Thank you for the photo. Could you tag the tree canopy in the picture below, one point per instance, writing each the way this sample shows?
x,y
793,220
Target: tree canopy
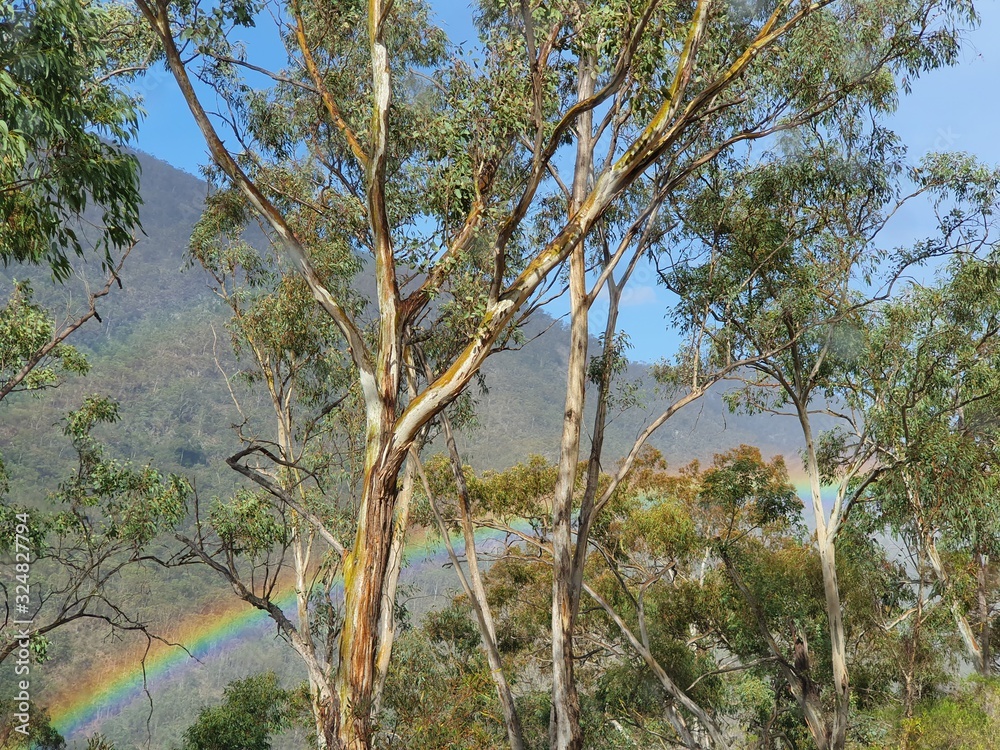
x,y
65,183
413,204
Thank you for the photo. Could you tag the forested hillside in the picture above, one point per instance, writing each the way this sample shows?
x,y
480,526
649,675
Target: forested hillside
x,y
296,456
161,349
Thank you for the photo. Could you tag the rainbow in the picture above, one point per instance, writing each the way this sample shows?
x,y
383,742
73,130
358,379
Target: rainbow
x,y
78,709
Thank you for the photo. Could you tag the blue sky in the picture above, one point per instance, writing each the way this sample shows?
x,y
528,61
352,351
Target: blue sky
x,y
954,109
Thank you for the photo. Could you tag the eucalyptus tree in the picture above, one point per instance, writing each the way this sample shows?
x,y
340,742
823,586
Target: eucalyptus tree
x,y
935,353
708,592
66,184
63,122
434,167
68,189
657,577
255,709
808,228
857,85
303,453
107,518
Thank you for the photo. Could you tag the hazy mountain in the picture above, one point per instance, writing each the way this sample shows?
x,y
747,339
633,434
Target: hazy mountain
x,y
161,350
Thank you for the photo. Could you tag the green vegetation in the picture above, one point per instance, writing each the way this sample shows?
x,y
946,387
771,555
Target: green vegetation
x,y
62,122
384,220
254,709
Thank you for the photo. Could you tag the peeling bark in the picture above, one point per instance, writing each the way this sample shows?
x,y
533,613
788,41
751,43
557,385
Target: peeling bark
x,y
564,721
387,626
391,430
365,570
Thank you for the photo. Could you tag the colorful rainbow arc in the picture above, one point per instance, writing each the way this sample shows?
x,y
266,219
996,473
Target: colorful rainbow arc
x,y
202,634
79,707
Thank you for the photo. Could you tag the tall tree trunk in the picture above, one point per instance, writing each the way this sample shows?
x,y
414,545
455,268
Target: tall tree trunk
x,y
965,631
982,592
367,565
912,646
564,723
387,627
596,448
365,570
826,546
838,644
564,726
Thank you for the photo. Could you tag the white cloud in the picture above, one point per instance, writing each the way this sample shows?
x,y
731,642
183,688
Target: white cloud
x,y
638,296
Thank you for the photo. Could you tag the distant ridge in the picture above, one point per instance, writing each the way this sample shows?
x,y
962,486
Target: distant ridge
x,y
162,333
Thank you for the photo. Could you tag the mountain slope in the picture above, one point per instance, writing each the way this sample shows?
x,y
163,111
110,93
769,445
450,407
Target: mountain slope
x,y
162,350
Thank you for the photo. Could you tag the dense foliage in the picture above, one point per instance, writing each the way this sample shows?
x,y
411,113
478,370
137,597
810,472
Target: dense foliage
x,y
62,126
387,214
